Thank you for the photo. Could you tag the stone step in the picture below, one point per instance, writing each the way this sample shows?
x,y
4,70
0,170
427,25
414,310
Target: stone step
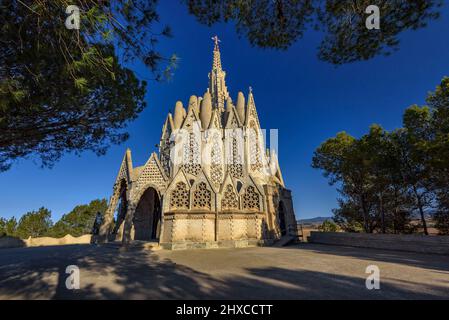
x,y
134,245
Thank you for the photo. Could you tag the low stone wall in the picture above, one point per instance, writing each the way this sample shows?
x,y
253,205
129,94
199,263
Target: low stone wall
x,y
203,228
412,243
10,242
187,245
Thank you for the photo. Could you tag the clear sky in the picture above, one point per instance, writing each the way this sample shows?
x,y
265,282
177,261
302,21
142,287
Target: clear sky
x,y
307,100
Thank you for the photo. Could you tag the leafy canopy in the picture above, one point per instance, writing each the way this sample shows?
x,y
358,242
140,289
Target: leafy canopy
x,y
67,90
279,23
384,178
34,224
80,220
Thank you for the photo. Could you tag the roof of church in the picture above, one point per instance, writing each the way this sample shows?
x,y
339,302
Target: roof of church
x,y
216,97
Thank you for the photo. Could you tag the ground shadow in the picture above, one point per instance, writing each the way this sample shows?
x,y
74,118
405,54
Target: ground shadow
x,y
108,272
421,260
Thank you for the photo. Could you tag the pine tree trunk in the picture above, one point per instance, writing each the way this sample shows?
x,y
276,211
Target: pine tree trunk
x,y
423,219
365,215
421,211
382,213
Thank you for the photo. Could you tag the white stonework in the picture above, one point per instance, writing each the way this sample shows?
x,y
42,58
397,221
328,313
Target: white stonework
x,y
236,197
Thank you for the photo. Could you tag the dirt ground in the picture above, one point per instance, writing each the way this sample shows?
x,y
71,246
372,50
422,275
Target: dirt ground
x,y
304,271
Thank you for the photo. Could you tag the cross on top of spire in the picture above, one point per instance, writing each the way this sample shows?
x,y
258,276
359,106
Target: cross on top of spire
x,y
216,64
217,85
216,41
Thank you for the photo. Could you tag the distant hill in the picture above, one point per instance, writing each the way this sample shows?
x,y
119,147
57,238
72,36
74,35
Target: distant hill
x,y
316,220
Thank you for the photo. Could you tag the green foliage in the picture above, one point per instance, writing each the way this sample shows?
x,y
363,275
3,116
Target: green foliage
x,y
80,220
66,90
348,40
438,150
328,226
34,224
11,227
38,223
442,221
2,227
278,24
348,216
385,177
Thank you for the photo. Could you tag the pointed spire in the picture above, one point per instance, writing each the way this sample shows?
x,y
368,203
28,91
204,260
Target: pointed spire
x,y
193,103
228,112
179,114
251,111
128,158
125,171
241,106
217,85
250,95
229,105
216,63
206,110
167,129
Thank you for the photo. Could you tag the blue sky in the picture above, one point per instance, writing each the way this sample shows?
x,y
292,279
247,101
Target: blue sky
x,y
307,100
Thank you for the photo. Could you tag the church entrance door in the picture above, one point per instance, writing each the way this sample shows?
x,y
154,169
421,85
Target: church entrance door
x,y
147,217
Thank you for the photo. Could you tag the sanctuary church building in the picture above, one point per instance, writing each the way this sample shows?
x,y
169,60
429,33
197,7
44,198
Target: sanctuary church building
x,y
212,184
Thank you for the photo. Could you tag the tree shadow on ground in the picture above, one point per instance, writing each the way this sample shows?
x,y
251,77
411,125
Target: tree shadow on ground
x,y
109,273
421,260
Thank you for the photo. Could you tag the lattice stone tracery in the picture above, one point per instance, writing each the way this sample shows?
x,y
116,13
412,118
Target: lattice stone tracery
x,y
123,172
216,122
192,155
230,200
236,166
251,199
253,114
202,197
254,147
216,163
193,163
179,198
165,154
233,123
151,173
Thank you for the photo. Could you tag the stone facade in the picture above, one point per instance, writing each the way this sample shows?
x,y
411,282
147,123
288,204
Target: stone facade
x,y
212,183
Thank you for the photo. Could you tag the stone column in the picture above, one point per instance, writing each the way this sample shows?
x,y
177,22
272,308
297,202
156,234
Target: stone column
x,y
271,211
290,218
109,215
128,224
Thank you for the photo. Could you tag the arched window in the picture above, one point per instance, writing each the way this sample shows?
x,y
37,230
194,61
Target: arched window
x,y
229,200
202,197
179,198
251,199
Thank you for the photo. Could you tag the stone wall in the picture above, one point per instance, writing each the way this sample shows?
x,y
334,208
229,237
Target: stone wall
x,y
183,230
412,243
10,242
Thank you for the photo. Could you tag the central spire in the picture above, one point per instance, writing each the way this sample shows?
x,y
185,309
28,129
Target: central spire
x,y
216,64
217,85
